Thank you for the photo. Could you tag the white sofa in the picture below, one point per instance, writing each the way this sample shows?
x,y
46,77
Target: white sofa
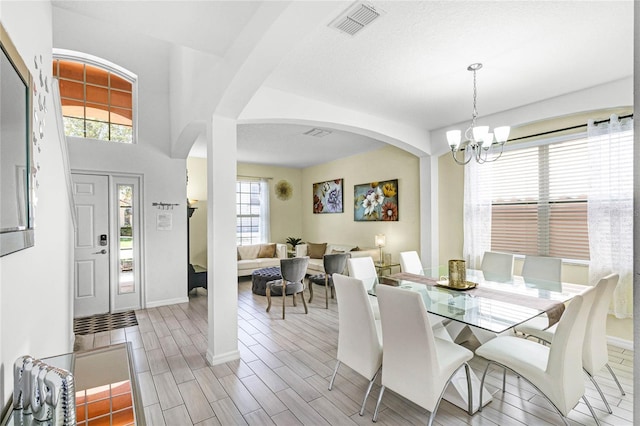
x,y
248,260
316,266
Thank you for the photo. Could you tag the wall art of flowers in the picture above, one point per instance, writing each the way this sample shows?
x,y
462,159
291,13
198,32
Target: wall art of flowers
x,y
376,201
327,197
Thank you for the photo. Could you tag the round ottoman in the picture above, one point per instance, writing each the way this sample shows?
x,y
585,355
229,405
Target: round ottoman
x,y
260,278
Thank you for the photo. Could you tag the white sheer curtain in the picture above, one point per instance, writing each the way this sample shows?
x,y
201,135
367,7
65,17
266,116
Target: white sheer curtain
x,y
477,212
610,208
265,231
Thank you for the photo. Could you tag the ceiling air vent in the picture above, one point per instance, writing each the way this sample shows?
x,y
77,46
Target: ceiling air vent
x,y
318,133
355,18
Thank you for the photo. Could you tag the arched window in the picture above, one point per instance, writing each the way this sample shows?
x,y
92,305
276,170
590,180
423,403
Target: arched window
x,y
98,97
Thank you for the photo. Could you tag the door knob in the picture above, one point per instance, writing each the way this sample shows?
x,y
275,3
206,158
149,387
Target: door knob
x,y
103,251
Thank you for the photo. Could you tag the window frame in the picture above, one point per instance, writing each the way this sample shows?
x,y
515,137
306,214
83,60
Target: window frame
x,y
95,61
239,215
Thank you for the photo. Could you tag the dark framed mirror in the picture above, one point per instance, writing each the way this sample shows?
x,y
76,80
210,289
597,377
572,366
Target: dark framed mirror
x,y
16,137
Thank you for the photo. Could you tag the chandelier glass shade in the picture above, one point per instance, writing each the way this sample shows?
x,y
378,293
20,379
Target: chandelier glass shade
x,y
482,145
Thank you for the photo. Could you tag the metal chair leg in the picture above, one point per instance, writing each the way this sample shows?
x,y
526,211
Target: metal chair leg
x,y
284,296
432,415
593,413
326,290
484,375
615,378
504,380
564,419
375,413
366,395
467,370
593,380
334,374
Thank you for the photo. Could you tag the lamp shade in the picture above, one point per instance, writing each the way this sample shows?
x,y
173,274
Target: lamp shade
x,y
502,133
453,137
379,240
479,132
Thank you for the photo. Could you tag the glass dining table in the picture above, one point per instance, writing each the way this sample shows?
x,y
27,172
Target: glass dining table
x,y
491,307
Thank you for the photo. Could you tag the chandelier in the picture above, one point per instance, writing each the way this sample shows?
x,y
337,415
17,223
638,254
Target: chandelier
x,y
483,145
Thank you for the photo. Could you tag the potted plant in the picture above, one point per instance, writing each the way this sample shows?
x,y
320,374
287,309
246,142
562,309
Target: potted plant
x,y
294,241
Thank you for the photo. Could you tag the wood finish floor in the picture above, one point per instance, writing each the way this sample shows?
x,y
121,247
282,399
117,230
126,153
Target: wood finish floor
x,y
285,367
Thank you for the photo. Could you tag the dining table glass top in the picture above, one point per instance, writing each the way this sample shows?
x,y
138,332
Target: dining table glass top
x,y
494,305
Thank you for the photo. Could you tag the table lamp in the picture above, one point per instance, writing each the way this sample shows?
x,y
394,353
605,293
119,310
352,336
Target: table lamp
x,y
379,241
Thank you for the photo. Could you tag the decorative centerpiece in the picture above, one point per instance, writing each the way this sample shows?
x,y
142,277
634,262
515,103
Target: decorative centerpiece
x,y
457,273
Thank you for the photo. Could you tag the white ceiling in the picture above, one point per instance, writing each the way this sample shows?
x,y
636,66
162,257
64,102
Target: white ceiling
x,y
409,65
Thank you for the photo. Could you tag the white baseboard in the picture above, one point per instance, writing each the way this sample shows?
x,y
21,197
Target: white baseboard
x,y
167,302
222,358
621,343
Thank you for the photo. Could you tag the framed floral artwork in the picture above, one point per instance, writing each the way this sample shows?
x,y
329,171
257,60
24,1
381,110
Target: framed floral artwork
x,y
328,197
376,201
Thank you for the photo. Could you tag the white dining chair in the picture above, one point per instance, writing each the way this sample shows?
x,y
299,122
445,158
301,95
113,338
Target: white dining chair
x,y
544,273
364,269
359,334
595,355
555,371
497,266
417,365
410,262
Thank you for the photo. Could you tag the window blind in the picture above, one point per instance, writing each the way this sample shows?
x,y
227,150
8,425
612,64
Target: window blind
x,y
539,200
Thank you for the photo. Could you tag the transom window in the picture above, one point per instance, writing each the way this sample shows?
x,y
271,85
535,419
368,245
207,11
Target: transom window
x,y
97,99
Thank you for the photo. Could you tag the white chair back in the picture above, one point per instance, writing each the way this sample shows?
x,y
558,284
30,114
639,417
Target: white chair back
x,y
595,354
410,262
363,269
410,359
359,344
564,365
497,266
543,272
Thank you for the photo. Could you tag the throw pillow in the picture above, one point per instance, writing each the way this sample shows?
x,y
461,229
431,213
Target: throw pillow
x,y
267,250
334,251
356,248
238,252
316,251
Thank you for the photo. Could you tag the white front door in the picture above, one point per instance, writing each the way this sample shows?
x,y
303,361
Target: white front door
x,y
91,246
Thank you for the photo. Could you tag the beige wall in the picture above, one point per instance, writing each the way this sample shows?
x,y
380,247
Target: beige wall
x,y
384,164
197,190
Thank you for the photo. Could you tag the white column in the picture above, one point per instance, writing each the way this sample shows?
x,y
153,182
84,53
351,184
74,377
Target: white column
x,y
221,241
429,238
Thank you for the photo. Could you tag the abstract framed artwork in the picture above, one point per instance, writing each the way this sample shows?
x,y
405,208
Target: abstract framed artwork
x,y
376,201
328,196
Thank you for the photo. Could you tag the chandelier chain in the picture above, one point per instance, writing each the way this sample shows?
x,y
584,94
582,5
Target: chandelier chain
x,y
475,96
